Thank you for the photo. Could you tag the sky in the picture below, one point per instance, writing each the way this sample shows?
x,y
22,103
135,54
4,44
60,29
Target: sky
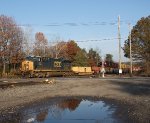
x,y
91,23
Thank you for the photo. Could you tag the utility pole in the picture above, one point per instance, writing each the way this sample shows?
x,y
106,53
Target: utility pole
x,y
130,51
119,39
103,68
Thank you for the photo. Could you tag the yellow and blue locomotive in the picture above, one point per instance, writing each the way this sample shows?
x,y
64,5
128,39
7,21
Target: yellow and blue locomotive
x,y
36,66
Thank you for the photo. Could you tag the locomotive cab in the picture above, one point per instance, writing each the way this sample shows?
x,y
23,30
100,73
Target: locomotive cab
x,y
27,65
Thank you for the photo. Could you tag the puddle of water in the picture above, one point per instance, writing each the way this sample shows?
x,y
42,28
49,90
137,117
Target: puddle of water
x,y
73,110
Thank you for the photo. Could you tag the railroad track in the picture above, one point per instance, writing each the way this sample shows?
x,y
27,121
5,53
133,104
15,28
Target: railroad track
x,y
8,84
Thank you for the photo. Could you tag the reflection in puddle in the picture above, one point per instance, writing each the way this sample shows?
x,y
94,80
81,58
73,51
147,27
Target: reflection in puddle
x,y
75,110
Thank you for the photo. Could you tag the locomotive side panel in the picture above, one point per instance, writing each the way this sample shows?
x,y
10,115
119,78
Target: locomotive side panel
x,y
48,64
66,64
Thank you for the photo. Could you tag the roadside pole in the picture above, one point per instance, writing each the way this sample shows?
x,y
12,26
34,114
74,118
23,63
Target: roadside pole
x,y
119,39
103,69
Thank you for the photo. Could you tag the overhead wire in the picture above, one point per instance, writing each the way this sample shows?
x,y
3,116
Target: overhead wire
x,y
95,23
74,24
92,40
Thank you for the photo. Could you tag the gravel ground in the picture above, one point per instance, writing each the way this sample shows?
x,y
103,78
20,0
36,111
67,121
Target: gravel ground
x,y
133,94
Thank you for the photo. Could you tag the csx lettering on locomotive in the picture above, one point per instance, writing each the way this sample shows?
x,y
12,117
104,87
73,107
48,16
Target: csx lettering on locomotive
x,y
57,64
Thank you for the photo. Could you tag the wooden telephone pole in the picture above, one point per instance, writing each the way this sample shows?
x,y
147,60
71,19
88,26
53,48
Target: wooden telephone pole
x,y
119,39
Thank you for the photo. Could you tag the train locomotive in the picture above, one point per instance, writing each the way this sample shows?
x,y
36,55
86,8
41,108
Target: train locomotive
x,y
36,66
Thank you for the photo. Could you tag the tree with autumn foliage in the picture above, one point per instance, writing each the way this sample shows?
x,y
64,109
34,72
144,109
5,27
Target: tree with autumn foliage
x,y
109,60
140,41
71,50
16,54
81,58
93,57
11,38
40,47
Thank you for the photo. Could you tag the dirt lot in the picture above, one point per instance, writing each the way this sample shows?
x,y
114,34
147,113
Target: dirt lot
x,y
132,94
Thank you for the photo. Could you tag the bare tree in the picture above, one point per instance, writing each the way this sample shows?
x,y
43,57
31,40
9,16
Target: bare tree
x,y
59,48
41,45
27,41
10,41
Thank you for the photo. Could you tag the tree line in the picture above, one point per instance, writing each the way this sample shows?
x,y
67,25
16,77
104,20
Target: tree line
x,y
15,46
11,39
140,43
67,50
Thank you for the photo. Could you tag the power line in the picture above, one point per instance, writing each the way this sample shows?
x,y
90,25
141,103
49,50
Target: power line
x,y
97,40
92,40
72,24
